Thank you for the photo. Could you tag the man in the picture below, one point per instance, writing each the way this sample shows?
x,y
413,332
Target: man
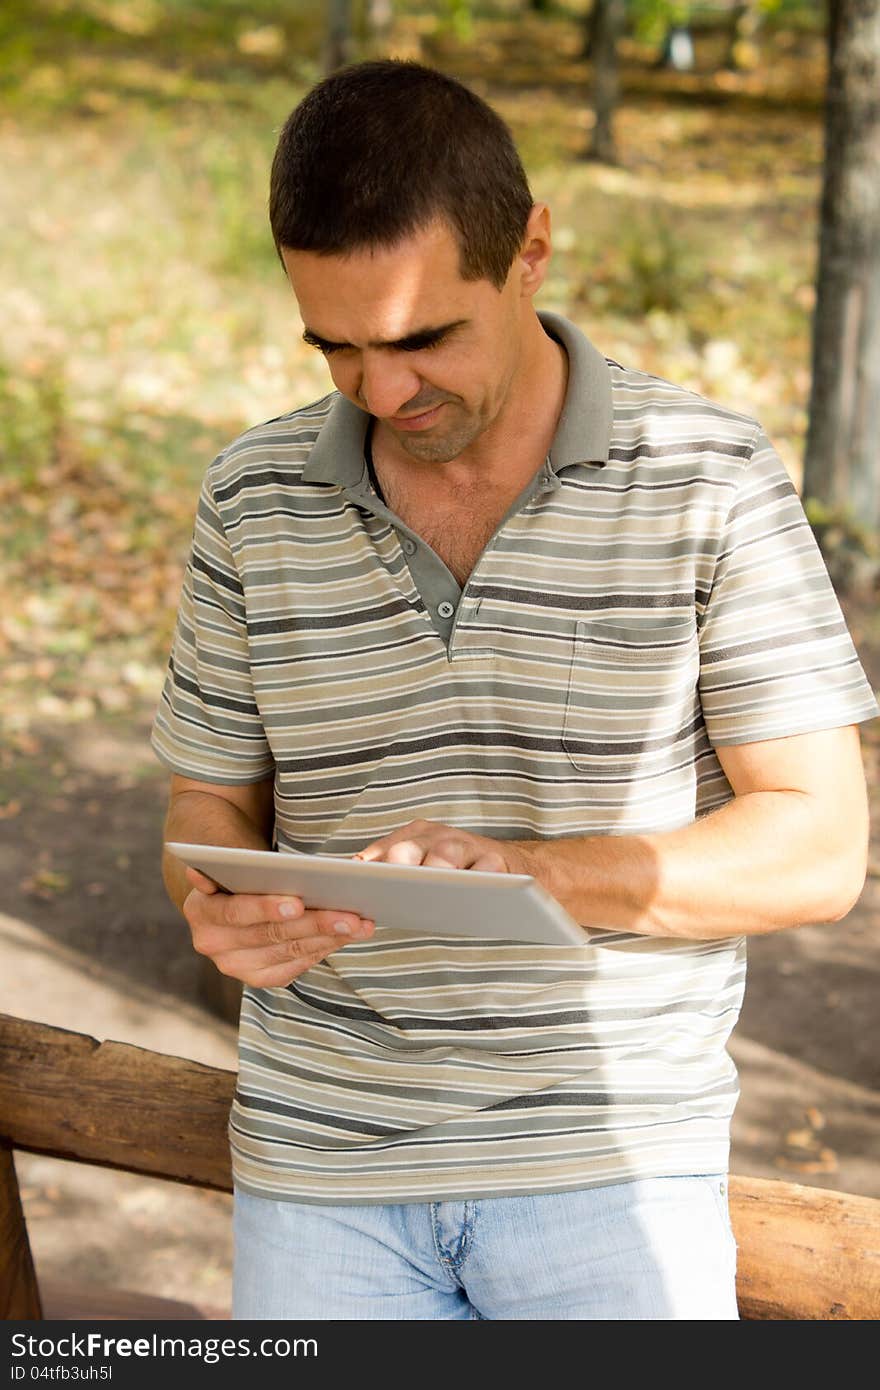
x,y
496,603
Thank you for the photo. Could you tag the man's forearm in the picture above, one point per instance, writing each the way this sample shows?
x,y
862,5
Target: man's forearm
x,y
762,862
200,818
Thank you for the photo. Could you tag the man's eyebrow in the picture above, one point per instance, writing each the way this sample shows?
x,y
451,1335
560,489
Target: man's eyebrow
x,y
422,337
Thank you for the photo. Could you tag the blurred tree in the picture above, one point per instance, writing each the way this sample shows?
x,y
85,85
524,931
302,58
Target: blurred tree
x,y
745,22
745,19
379,16
589,32
841,467
339,47
606,28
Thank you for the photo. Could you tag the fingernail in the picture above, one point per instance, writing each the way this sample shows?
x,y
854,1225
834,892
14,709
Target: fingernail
x,y
287,910
342,928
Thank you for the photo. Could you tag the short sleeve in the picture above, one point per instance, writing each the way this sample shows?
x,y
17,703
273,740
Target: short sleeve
x,y
776,656
208,726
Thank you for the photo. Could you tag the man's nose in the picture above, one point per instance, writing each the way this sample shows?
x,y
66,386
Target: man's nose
x,y
388,384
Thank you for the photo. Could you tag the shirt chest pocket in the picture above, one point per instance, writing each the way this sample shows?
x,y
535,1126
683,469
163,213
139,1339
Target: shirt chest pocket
x,y
631,689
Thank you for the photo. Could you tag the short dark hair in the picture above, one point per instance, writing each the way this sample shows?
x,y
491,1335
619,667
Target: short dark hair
x,y
378,150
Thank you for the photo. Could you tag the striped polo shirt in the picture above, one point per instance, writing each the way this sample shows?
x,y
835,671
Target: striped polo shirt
x,y
654,592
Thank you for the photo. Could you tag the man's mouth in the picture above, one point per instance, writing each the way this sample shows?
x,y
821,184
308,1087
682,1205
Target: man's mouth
x,y
417,422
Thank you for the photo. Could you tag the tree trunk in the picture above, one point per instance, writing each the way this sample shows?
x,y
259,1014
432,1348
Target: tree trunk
x,y
590,21
339,47
380,16
607,28
744,25
843,443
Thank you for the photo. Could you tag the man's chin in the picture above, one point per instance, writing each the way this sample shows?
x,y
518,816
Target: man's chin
x,y
433,447
430,450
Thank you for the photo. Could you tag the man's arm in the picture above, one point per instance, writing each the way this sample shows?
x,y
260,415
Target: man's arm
x,y
200,813
788,850
266,939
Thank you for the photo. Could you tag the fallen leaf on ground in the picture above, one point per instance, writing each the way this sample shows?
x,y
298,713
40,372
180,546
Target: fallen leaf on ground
x,y
800,1139
45,884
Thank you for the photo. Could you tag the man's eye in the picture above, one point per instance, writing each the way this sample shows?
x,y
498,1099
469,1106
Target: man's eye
x,y
329,348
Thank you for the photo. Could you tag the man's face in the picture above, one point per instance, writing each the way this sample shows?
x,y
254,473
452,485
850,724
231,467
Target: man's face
x,y
403,335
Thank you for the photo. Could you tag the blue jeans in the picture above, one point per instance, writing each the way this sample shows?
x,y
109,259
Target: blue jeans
x,y
646,1249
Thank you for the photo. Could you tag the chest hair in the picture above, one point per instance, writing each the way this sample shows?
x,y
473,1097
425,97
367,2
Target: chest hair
x,y
456,527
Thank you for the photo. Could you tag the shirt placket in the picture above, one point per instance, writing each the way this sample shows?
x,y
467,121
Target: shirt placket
x,y
448,606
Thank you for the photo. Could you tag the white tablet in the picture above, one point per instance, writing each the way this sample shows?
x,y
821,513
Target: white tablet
x,y
405,897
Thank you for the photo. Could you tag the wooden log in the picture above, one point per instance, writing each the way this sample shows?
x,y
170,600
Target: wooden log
x,y
805,1253
19,1295
67,1095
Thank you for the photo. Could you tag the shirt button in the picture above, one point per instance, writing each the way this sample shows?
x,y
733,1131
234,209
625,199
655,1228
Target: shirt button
x,y
445,609
409,547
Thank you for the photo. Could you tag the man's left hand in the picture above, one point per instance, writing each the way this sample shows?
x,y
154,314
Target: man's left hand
x,y
436,845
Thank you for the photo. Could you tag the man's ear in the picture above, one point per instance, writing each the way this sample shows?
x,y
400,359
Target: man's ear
x,y
534,256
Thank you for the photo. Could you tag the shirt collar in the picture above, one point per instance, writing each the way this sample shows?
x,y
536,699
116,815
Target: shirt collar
x,y
583,434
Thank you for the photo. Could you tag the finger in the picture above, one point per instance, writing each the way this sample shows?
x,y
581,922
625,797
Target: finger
x,y
246,909
405,852
378,849
373,851
269,976
449,854
219,938
280,976
247,962
491,862
329,923
201,881
331,926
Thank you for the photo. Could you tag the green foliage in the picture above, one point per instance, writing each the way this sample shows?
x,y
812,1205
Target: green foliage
x,y
457,17
650,19
89,56
30,413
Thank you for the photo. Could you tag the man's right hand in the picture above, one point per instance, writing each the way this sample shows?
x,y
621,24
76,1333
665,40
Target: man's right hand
x,y
265,940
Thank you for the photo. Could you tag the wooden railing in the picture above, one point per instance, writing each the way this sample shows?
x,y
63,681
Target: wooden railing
x,y
804,1253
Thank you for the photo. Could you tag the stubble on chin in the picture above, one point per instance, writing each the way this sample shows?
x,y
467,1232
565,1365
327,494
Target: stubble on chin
x,y
443,448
